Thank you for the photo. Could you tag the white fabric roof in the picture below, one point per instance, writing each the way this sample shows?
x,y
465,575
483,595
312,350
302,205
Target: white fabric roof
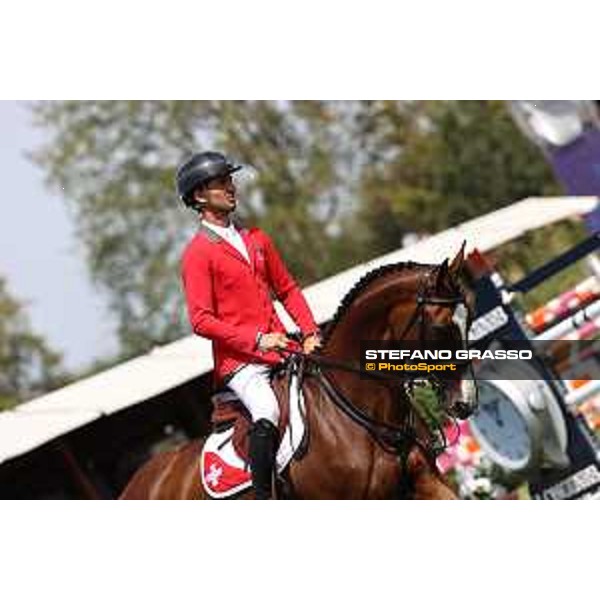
x,y
34,423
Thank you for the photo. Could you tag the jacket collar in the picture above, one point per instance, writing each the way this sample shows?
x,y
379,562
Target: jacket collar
x,y
215,238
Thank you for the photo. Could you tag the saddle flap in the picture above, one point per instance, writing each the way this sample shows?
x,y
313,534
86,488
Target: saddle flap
x,y
223,468
229,412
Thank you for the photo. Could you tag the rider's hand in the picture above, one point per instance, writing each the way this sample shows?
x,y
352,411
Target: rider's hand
x,y
272,341
311,342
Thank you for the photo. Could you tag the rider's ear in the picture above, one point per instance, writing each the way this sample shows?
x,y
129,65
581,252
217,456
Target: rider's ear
x,y
457,262
199,196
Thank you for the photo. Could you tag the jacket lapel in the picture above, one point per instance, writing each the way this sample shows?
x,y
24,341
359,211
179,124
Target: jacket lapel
x,y
250,247
215,238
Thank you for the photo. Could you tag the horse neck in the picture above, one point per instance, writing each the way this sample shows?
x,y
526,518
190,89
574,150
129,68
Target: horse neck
x,y
366,319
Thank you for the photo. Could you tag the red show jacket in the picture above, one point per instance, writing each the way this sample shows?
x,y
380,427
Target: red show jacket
x,y
229,300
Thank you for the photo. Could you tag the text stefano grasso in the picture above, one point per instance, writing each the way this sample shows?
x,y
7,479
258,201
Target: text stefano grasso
x,y
497,354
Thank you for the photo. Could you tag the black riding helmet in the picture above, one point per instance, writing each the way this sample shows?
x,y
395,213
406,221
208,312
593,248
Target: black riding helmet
x,y
198,170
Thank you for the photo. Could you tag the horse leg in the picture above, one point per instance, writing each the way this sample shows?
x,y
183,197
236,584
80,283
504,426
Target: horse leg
x,y
428,483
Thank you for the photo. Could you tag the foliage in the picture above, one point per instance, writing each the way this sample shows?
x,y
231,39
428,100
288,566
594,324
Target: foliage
x,y
28,366
428,405
433,165
517,258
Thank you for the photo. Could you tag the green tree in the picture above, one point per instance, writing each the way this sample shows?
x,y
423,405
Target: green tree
x,y
28,367
433,165
115,162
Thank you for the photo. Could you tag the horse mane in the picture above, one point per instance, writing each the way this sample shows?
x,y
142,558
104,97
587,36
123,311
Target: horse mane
x,y
362,284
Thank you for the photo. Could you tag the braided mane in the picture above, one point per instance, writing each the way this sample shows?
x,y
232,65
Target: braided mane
x,y
362,284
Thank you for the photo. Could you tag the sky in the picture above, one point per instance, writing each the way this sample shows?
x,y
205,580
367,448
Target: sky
x,y
39,256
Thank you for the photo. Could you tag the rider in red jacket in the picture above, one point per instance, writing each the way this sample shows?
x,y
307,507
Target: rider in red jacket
x,y
229,275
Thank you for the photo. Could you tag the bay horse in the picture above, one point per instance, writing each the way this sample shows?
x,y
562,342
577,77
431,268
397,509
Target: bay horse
x,y
365,438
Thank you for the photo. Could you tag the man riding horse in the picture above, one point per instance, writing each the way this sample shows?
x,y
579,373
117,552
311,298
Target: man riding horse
x,y
228,276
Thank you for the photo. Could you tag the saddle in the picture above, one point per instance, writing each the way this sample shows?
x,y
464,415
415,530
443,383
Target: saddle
x,y
230,413
224,461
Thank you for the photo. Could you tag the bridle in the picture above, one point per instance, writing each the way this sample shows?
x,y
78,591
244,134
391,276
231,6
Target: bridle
x,y
423,300
396,439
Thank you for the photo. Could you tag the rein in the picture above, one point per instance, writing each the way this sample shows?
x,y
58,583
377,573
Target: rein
x,y
396,439
391,438
323,361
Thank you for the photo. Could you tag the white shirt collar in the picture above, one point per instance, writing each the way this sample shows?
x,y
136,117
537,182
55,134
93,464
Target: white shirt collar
x,y
231,235
228,231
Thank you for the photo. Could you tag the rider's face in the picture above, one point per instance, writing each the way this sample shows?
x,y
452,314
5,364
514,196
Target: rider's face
x,y
219,195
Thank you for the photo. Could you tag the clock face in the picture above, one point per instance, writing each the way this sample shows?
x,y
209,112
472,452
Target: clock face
x,y
500,428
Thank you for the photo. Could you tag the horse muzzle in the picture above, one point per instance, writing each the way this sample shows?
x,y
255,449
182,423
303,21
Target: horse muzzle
x,y
466,401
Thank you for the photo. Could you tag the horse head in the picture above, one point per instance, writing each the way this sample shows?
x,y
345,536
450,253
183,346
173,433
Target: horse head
x,y
424,304
440,313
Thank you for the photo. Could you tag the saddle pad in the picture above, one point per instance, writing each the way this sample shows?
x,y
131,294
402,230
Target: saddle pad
x,y
225,474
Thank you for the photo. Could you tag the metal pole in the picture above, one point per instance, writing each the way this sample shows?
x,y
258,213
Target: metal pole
x,y
556,265
570,324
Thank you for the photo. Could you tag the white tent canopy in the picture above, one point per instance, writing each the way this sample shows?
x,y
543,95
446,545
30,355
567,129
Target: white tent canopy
x,y
34,423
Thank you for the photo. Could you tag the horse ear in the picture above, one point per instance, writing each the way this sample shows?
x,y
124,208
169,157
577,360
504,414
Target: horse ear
x,y
457,262
442,275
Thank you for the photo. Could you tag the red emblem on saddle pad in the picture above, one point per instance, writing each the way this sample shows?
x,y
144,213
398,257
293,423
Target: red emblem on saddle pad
x,y
221,477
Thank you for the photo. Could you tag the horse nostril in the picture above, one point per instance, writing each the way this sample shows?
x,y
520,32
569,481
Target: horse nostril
x,y
463,410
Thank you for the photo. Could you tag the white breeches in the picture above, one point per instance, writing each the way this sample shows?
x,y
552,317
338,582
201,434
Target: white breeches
x,y
251,384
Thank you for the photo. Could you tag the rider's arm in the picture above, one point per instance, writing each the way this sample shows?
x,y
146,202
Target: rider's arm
x,y
197,275
287,290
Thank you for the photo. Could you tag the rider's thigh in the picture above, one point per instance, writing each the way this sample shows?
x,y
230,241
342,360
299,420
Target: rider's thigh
x,y
252,386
